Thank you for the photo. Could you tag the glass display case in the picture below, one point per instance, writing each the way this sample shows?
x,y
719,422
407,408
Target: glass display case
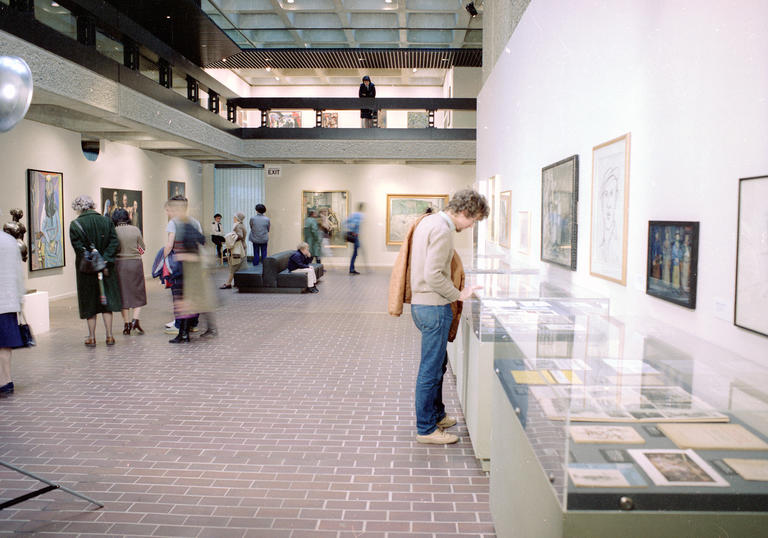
x,y
625,417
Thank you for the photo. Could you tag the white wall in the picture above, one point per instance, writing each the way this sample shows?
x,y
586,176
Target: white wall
x,y
366,183
42,147
688,80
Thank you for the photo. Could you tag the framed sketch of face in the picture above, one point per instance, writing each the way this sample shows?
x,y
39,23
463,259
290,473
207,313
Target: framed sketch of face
x,y
610,199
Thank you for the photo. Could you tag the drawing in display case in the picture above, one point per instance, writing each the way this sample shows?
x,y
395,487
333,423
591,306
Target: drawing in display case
x,y
638,418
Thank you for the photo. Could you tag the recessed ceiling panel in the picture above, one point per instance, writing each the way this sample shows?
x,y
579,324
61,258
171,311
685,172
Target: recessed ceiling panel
x,y
370,5
323,36
272,36
373,20
431,20
433,5
430,36
317,20
377,36
308,5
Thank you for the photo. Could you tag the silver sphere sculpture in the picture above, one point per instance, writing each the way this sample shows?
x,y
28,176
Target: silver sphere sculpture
x,y
15,91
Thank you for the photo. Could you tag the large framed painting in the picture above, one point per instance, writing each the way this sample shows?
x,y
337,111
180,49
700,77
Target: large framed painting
x,y
177,188
332,209
559,203
752,256
673,253
285,120
404,209
610,204
131,201
524,232
505,218
46,219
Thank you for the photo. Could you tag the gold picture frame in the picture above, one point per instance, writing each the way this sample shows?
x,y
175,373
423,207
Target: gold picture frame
x,y
404,209
333,210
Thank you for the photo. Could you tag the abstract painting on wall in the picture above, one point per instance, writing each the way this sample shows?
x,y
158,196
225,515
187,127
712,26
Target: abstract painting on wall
x,y
46,219
673,253
559,202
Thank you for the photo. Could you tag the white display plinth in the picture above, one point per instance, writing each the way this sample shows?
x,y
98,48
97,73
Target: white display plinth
x,y
36,312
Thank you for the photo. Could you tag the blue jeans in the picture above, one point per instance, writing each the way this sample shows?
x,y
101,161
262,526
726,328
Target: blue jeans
x,y
259,248
434,322
354,254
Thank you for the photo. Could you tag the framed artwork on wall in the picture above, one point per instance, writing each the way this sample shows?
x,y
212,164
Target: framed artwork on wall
x,y
418,120
673,253
332,208
176,188
559,203
752,256
46,219
404,209
524,232
129,200
505,218
285,119
330,120
610,204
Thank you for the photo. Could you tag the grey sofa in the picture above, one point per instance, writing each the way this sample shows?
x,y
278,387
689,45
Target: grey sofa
x,y
272,276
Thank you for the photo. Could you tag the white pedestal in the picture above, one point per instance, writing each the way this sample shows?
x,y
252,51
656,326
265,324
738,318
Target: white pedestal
x,y
36,312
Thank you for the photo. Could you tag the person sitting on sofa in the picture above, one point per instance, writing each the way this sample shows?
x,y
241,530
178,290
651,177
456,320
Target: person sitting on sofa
x,y
299,263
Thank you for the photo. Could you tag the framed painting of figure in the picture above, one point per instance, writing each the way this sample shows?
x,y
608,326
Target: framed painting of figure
x,y
332,210
505,218
404,209
752,256
673,253
285,119
610,199
559,203
46,219
131,201
176,188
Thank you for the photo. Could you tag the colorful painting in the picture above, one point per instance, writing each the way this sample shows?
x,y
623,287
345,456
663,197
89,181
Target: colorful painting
x,y
332,209
559,199
382,119
131,201
46,219
285,120
673,252
404,209
331,120
418,120
177,188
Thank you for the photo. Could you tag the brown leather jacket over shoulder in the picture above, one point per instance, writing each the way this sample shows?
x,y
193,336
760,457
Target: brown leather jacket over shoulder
x,y
400,281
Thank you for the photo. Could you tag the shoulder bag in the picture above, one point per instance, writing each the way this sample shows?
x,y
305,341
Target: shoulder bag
x,y
92,261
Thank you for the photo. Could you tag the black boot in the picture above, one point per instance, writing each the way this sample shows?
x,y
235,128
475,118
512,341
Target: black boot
x,y
183,335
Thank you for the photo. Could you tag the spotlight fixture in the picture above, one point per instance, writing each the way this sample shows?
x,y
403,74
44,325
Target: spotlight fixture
x,y
387,1
471,9
415,69
290,1
223,59
268,69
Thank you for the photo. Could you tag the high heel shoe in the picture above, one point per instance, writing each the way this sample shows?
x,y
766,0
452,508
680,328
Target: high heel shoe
x,y
110,340
90,342
127,329
136,326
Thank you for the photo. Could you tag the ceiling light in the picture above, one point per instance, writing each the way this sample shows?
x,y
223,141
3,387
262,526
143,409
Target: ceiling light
x,y
167,16
290,1
361,59
414,69
55,4
444,59
269,69
277,78
388,1
223,59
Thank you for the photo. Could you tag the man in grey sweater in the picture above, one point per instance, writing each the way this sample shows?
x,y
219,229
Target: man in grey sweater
x,y
432,294
259,235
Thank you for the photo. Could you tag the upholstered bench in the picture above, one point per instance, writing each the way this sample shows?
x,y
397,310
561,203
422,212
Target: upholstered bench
x,y
272,276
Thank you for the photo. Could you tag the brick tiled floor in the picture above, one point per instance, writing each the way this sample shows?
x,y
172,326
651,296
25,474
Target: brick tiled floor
x,y
297,421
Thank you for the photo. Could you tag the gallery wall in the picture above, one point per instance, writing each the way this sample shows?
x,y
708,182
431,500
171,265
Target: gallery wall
x,y
42,147
368,183
688,81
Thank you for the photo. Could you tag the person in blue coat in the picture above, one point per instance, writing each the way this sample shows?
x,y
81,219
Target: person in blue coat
x,y
299,263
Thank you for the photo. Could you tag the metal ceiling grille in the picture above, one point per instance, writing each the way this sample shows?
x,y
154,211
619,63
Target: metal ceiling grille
x,y
351,59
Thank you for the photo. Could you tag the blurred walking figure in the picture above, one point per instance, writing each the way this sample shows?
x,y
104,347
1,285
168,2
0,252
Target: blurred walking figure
x,y
91,228
11,297
259,235
353,234
130,271
236,248
312,235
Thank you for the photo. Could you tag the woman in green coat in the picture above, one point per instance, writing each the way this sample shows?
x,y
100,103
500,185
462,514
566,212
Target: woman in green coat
x,y
99,231
312,235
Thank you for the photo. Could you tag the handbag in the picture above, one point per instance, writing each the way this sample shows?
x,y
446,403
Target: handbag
x,y
92,261
27,340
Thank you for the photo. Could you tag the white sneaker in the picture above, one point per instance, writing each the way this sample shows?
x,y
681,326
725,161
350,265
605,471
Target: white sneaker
x,y
437,437
170,324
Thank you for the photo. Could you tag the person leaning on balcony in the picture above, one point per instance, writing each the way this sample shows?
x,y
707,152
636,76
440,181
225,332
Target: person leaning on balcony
x,y
367,89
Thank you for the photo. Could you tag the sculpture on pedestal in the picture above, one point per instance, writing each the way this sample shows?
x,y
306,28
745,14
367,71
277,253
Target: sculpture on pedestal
x,y
16,229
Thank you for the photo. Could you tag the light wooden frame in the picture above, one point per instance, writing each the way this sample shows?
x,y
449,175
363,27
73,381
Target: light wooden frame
x,y
505,225
426,197
601,165
338,235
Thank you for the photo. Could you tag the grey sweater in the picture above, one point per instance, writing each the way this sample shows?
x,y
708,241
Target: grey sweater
x,y
431,253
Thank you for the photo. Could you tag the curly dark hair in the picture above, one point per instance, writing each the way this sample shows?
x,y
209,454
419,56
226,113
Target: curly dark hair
x,y
121,216
471,203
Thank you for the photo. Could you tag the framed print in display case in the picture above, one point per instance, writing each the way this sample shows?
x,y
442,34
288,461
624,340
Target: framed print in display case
x,y
609,218
524,232
46,219
129,200
285,119
332,209
673,253
403,209
752,256
176,188
559,202
505,218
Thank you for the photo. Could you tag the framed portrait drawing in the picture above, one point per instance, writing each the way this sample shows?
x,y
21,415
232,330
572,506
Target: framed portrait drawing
x,y
285,119
524,232
505,218
559,203
46,219
610,199
752,256
131,201
404,209
176,188
332,209
673,253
